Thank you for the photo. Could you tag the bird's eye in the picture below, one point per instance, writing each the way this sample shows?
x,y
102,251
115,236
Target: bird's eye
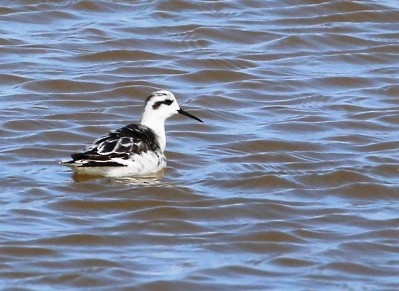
x,y
157,104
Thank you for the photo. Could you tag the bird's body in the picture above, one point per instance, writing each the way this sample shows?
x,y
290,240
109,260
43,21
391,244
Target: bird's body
x,y
135,149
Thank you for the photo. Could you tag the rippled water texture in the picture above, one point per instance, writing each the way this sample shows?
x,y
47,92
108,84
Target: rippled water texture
x,y
291,183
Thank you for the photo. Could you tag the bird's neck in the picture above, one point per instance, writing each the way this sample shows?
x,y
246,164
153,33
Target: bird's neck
x,y
158,126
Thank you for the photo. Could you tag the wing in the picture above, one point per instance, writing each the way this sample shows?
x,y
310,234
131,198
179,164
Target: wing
x,y
122,143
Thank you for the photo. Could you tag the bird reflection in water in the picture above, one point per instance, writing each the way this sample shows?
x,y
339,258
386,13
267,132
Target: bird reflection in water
x,y
153,179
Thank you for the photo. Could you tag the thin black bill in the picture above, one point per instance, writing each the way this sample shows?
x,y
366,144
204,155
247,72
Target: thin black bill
x,y
182,112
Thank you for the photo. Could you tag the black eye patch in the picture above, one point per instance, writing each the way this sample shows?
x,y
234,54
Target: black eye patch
x,y
159,103
168,102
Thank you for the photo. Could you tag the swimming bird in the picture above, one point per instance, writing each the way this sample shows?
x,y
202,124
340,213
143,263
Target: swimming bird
x,y
135,149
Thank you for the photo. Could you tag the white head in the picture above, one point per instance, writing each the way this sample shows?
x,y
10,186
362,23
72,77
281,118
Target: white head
x,y
161,105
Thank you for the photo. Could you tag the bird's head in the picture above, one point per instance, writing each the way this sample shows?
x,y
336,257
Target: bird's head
x,y
162,104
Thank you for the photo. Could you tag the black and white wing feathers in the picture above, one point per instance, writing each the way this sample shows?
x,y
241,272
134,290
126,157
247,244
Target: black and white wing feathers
x,y
122,143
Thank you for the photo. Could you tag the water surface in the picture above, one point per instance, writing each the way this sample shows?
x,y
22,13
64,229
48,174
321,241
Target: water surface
x,y
291,183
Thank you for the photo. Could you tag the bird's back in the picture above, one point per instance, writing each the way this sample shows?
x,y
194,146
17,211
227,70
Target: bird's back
x,y
134,147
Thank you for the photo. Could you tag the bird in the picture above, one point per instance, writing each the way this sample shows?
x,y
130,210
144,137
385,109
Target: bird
x,y
135,149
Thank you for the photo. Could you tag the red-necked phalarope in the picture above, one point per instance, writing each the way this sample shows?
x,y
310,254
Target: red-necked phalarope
x,y
135,149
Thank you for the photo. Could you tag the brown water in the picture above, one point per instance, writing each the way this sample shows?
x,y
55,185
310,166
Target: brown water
x,y
291,183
